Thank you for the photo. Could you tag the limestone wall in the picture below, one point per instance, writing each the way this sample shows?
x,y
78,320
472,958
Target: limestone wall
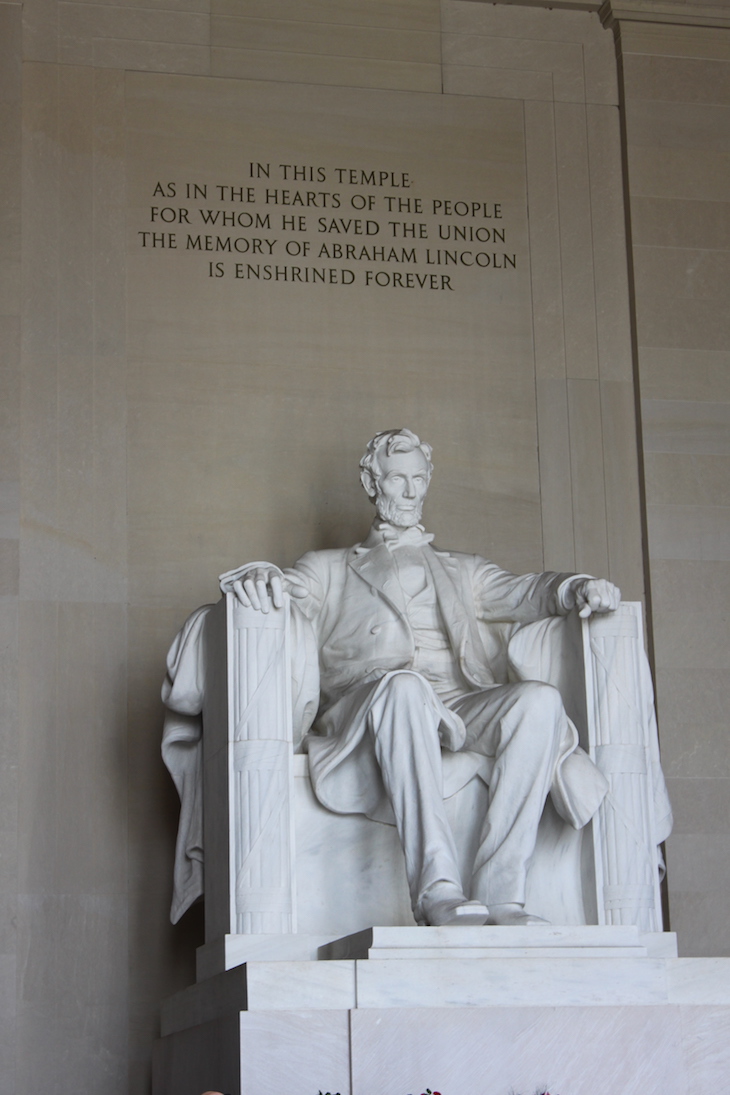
x,y
160,428
677,87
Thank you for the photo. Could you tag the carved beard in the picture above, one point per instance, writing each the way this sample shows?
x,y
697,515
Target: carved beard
x,y
390,511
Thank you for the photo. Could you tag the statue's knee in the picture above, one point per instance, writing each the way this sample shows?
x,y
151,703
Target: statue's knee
x,y
407,687
540,698
404,707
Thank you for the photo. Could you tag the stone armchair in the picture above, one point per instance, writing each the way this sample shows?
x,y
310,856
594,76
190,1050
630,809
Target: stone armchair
x,y
278,865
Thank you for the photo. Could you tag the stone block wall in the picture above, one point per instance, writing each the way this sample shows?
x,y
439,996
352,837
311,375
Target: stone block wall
x,y
120,490
676,82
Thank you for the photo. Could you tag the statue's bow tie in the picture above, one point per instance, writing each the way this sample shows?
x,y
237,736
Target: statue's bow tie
x,y
415,536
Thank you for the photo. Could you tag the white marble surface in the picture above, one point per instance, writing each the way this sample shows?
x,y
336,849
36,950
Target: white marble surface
x,y
630,1049
274,985
350,870
468,982
489,942
659,944
706,1043
232,950
492,1051
283,1053
633,820
699,981
457,976
576,1025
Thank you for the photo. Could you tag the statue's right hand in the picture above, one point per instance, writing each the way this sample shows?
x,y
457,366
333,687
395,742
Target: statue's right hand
x,y
260,589
259,586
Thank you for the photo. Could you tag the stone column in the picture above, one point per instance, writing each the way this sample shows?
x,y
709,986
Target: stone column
x,y
248,822
620,728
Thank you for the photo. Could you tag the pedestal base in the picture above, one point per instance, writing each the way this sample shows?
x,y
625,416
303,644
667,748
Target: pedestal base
x,y
563,1015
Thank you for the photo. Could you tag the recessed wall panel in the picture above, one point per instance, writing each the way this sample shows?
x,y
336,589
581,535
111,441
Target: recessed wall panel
x,y
306,267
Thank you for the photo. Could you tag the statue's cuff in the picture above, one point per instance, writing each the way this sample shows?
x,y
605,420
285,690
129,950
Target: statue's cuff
x,y
566,591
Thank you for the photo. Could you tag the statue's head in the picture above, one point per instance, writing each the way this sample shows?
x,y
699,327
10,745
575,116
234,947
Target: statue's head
x,y
395,471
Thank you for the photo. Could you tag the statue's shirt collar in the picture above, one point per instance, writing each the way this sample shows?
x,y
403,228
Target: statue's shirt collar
x,y
384,534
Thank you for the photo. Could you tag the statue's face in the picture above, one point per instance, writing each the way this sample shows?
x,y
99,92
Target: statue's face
x,y
401,488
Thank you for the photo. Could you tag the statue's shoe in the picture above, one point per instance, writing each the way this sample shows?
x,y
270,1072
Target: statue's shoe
x,y
513,916
448,911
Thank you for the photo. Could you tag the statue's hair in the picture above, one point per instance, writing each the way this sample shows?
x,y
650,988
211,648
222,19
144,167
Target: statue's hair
x,y
391,441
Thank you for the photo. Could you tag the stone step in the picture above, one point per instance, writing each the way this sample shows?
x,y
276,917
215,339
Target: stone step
x,y
233,950
341,986
548,941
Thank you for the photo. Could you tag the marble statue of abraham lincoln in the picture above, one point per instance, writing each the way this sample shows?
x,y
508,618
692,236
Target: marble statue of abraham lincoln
x,y
407,684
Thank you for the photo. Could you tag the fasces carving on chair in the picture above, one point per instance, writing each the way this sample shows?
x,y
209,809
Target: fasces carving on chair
x,y
406,670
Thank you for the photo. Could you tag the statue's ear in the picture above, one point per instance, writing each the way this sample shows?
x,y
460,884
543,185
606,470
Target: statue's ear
x,y
368,481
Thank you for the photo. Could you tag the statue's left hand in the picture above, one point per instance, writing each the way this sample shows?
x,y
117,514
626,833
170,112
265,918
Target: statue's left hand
x,y
596,595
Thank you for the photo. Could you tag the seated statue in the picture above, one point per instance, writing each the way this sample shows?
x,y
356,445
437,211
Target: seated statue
x,y
409,686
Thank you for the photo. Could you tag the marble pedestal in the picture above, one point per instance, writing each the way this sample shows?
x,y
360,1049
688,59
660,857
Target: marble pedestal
x,y
464,1011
